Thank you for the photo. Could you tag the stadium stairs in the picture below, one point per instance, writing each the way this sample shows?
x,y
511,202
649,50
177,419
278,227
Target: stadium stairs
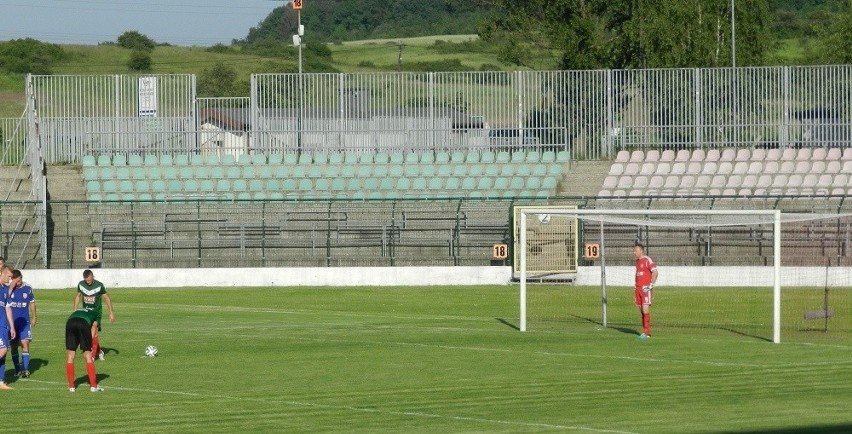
x,y
20,246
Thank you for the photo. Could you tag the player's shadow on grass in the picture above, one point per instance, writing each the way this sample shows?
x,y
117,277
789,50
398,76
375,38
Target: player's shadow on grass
x,y
110,350
35,365
83,380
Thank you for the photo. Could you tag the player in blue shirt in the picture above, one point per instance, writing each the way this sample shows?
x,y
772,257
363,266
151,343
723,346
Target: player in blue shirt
x,y
6,332
22,301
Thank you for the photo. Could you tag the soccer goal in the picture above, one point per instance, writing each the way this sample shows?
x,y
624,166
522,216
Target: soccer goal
x,y
718,269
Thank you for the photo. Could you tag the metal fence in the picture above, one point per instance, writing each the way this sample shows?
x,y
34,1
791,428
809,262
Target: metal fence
x,y
592,113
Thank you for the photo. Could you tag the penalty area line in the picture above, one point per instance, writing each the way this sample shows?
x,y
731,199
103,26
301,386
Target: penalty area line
x,y
357,409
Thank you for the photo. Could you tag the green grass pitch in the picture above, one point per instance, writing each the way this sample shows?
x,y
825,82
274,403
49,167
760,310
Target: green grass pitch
x,y
431,359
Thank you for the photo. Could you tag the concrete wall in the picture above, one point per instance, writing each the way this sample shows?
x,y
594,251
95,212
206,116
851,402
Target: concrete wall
x,y
426,276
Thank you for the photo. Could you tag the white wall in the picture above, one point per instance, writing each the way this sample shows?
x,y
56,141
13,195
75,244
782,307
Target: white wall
x,y
265,277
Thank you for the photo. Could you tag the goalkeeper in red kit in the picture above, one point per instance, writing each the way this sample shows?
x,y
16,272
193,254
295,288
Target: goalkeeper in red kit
x,y
646,276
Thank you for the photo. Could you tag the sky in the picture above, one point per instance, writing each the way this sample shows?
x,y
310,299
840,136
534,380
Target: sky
x,y
177,22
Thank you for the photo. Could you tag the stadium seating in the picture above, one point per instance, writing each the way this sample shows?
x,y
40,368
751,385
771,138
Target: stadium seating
x,y
322,175
803,173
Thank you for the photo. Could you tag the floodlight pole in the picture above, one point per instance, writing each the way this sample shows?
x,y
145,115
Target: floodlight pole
x,y
733,35
297,40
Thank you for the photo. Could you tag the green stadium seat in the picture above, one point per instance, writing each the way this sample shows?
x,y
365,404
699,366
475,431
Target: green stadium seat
x,y
509,194
365,171
539,170
338,184
507,170
239,185
306,184
475,170
227,160
211,159
412,158
185,172
523,170
548,157
533,183
428,170
487,157
181,160
158,186
111,197
501,183
395,170
200,172
452,183
305,158
265,172
144,197
138,172
122,172
517,183
151,160
95,197
259,195
315,171
365,158
475,194
255,185
273,185
436,183
563,157
391,194
275,195
244,159
276,159
485,183
109,186
135,160
322,184
119,160
217,172
331,171
104,160
403,184
397,158
380,170
233,172
370,184
90,173
196,160
445,170
492,170
153,172
533,157
142,186
472,157
381,158
358,195
190,186
206,186
555,170
351,158
519,156
353,184
387,184
223,185
166,160
460,170
411,170
419,183
89,160
458,157
93,186
125,186
427,158
549,183
341,195
320,158
503,157
288,185
526,194
442,157
174,186
347,171
281,172
243,195
335,158
542,194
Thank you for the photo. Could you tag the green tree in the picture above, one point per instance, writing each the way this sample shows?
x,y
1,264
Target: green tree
x,y
590,34
140,60
219,80
836,39
23,56
134,40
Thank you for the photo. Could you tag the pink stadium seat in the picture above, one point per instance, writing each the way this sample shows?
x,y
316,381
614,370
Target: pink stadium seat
x,y
744,192
719,181
616,169
729,192
847,154
788,154
694,167
837,191
640,181
847,166
758,155
802,167
787,167
819,154
734,181
809,184
652,156
714,192
697,155
803,154
631,169
710,168
833,167
648,168
755,167
773,155
765,181
841,180
663,169
817,167
604,193
749,181
743,155
682,155
833,154
667,155
740,168
622,157
687,182
795,180
619,193
672,182
625,182
728,154
678,168
703,181
726,168
656,182
712,155
610,182
637,157
772,167
636,193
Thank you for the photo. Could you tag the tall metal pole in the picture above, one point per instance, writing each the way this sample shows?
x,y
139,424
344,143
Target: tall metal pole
x,y
301,81
733,35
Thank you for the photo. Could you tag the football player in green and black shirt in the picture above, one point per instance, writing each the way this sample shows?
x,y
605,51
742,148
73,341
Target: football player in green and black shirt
x,y
93,293
78,335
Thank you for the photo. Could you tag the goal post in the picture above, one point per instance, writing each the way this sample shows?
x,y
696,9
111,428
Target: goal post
x,y
685,219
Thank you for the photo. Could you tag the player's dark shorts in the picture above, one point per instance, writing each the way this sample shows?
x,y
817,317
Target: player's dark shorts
x,y
78,334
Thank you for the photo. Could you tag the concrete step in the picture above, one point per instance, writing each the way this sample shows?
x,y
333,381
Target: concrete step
x,y
584,178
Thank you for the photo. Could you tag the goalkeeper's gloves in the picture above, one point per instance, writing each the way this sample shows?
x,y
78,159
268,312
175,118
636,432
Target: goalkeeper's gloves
x,y
648,288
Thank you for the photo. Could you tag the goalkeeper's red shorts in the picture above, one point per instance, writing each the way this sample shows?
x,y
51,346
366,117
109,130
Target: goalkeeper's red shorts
x,y
640,297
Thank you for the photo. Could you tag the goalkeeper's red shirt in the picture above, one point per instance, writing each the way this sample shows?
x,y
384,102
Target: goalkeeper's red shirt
x,y
644,267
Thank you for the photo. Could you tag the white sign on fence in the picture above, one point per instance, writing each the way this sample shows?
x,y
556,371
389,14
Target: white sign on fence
x,y
147,97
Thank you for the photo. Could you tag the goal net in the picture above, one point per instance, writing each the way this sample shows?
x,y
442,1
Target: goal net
x,y
754,273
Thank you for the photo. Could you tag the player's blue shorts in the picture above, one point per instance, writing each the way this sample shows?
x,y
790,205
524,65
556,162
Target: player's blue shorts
x,y
4,337
23,331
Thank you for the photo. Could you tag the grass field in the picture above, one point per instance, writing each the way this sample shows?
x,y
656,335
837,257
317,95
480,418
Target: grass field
x,y
438,359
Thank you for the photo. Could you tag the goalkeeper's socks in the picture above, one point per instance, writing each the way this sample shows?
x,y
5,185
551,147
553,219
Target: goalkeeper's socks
x,y
69,373
93,377
646,323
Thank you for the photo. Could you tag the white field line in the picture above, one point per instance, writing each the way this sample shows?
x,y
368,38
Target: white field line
x,y
349,408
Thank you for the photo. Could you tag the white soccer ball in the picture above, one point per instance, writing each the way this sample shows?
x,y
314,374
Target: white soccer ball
x,y
544,218
151,351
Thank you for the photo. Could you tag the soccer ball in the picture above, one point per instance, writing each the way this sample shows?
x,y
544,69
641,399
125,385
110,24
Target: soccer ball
x,y
544,218
151,351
